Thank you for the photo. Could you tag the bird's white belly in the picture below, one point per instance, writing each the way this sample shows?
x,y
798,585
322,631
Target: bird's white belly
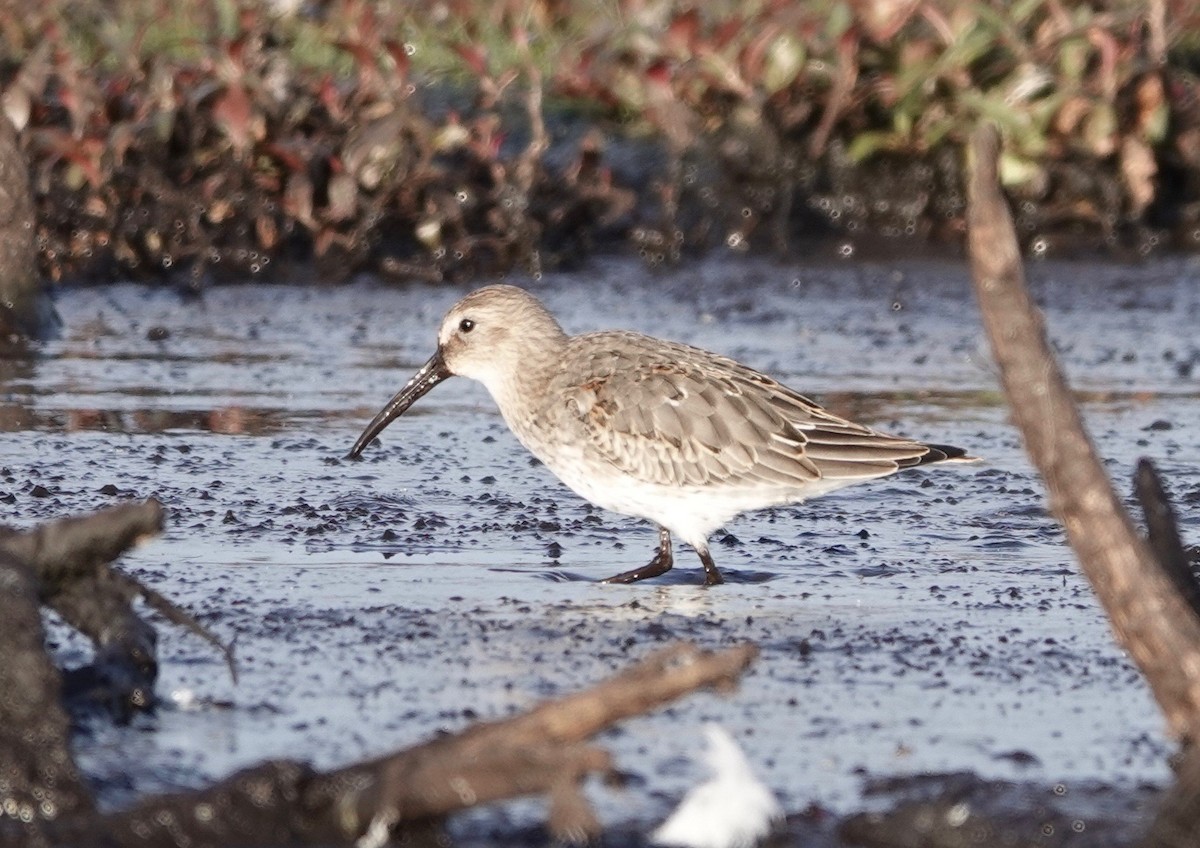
x,y
690,512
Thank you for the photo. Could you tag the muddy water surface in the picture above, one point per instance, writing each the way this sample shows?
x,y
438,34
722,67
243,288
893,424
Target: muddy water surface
x,y
933,621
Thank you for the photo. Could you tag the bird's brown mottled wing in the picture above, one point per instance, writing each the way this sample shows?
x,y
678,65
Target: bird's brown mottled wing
x,y
679,416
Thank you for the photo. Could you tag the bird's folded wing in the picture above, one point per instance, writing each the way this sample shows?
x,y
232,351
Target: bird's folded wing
x,y
697,419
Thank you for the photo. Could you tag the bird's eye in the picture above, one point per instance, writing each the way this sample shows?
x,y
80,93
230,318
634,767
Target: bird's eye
x,y
466,325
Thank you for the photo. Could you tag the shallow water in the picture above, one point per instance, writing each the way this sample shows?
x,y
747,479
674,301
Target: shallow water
x,y
930,621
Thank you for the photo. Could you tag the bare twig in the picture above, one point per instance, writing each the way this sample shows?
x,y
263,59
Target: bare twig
x,y
525,754
70,560
1148,616
1162,532
544,751
38,778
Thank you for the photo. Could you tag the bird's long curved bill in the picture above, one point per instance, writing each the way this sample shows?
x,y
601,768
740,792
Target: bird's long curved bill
x,y
431,373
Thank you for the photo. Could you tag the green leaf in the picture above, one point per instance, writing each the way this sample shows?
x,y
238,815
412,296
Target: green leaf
x,y
1017,170
867,144
839,20
784,61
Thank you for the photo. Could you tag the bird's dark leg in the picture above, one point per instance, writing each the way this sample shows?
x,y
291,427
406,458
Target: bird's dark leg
x,y
661,563
712,577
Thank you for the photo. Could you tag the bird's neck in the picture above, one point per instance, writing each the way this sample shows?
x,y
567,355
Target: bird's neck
x,y
517,389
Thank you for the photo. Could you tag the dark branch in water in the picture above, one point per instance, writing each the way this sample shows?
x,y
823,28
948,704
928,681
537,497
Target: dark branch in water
x,y
71,561
1162,532
38,778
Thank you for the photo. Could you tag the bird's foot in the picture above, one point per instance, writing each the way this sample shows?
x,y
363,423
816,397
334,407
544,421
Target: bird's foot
x,y
661,563
712,577
651,569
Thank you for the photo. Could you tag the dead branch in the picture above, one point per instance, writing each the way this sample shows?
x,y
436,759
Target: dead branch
x,y
1175,825
70,561
487,761
1162,532
61,551
286,803
38,778
1149,618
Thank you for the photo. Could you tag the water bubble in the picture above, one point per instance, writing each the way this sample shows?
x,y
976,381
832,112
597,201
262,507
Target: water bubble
x,y
897,306
846,250
1039,246
747,212
461,196
736,240
410,49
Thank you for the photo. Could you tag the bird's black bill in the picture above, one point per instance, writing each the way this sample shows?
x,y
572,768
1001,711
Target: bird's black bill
x,y
431,373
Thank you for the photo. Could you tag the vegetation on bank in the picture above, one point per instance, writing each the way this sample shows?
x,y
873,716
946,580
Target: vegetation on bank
x,y
249,138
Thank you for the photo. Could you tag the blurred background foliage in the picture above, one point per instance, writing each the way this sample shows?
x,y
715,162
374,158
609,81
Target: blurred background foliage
x,y
464,138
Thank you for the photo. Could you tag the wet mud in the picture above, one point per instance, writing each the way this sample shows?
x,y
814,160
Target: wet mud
x,y
932,622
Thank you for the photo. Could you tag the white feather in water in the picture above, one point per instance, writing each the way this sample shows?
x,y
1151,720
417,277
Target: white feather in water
x,y
733,809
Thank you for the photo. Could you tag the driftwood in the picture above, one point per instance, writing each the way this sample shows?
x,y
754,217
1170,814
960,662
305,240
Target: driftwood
x,y
1144,585
38,778
1149,617
66,566
44,802
70,563
544,751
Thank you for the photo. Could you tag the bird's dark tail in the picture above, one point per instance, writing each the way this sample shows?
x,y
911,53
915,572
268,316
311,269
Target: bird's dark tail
x,y
944,453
